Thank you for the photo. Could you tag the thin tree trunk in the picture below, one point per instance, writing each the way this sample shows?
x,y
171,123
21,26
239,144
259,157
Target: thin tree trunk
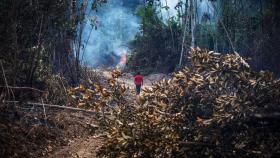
x,y
170,27
193,21
185,26
182,48
224,27
35,61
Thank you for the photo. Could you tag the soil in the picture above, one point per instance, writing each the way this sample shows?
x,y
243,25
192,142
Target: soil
x,y
80,148
31,133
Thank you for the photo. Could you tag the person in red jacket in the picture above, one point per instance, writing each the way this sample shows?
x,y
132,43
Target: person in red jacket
x,y
138,80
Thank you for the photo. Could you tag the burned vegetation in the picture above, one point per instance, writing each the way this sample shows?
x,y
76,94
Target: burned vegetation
x,y
216,106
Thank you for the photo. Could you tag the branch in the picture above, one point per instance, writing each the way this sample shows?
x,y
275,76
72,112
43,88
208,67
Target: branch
x,y
272,115
196,144
54,106
61,107
30,88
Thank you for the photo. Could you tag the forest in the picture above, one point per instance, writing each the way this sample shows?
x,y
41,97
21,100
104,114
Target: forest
x,y
210,78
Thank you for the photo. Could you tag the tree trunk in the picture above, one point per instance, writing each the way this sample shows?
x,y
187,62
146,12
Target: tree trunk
x,y
193,21
185,26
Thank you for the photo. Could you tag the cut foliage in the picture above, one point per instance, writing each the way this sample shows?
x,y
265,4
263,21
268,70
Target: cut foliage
x,y
217,107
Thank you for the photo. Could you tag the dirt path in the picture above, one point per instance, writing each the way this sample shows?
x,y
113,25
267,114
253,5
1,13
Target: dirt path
x,y
128,78
87,147
84,140
80,148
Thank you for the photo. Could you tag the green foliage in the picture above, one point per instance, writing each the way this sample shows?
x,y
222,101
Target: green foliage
x,y
253,27
31,36
248,27
37,41
153,49
206,36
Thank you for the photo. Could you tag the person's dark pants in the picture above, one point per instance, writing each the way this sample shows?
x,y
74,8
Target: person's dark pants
x,y
138,89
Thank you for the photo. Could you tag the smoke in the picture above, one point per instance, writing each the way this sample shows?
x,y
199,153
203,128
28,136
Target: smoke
x,y
117,25
203,7
171,11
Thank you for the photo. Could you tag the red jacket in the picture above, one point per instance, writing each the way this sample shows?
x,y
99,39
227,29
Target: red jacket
x,y
138,79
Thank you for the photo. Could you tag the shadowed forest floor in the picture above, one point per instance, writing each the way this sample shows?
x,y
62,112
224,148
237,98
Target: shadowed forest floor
x,y
84,146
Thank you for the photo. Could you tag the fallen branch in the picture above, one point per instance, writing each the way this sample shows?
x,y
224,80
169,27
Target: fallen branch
x,y
272,115
30,88
196,144
60,107
54,106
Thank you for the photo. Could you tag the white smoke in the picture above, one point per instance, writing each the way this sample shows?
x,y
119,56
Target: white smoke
x,y
171,11
203,7
117,26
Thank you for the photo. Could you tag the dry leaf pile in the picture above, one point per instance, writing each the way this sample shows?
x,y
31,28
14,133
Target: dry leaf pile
x,y
97,96
217,106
